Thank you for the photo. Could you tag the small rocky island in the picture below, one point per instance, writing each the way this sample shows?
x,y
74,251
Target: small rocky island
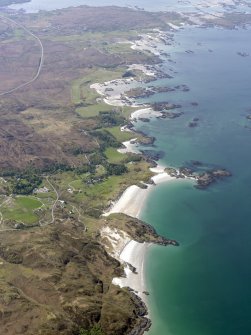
x,y
164,106
203,179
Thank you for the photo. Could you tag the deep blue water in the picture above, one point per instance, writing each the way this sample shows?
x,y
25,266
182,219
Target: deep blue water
x,y
203,286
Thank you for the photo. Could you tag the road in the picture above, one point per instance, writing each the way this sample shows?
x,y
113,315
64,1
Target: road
x,y
41,56
55,203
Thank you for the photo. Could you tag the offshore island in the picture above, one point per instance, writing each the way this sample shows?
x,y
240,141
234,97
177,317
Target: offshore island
x,y
72,180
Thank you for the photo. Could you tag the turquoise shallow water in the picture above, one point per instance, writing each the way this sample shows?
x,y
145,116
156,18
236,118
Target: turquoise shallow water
x,y
203,286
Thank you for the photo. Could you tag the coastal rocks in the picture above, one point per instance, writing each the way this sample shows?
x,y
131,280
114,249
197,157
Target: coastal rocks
x,y
207,178
140,92
172,172
144,323
144,119
189,51
138,230
146,140
124,313
171,115
182,172
219,173
131,267
162,106
183,88
203,179
193,123
194,103
153,155
242,54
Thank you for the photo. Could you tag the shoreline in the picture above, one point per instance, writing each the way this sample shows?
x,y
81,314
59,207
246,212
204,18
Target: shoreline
x,y
129,252
136,281
133,198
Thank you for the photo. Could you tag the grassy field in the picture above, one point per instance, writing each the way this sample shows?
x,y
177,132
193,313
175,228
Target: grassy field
x,y
84,196
119,48
93,110
121,136
97,38
113,156
81,91
21,209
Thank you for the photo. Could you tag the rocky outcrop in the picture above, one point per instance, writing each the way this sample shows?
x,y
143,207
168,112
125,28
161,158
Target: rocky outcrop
x,y
207,178
171,115
138,230
203,179
57,280
164,106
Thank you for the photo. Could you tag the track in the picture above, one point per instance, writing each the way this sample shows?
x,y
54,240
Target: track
x,y
41,56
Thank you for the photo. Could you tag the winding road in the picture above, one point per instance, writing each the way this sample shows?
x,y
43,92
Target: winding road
x,y
41,56
54,204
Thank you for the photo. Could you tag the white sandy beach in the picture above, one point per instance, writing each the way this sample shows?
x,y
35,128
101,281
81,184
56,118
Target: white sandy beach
x,y
129,146
134,253
133,198
145,112
131,202
123,248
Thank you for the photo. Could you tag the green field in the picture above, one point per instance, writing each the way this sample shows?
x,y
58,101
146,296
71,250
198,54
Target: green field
x,y
81,91
21,209
121,136
93,110
113,156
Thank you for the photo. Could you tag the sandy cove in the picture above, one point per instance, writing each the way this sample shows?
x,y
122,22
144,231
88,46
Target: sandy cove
x,y
134,253
118,243
126,250
133,198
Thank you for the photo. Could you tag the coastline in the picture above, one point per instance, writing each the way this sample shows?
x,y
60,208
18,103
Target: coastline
x,y
165,267
118,243
129,252
134,253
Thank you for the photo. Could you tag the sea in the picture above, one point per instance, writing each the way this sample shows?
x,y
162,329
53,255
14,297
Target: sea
x,y
202,287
